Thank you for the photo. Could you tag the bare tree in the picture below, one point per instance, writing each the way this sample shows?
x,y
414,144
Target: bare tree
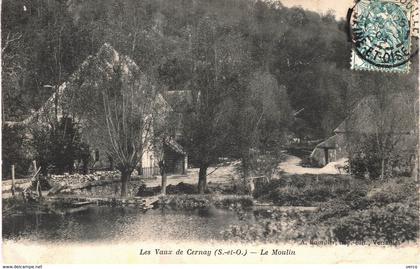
x,y
128,106
161,135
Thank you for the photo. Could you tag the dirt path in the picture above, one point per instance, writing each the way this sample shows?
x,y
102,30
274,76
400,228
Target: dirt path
x,y
292,166
220,175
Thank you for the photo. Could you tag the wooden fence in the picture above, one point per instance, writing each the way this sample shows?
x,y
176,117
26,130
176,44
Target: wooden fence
x,y
150,171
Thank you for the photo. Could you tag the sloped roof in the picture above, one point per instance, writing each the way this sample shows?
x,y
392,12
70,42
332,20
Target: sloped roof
x,y
394,114
104,62
329,143
172,144
99,69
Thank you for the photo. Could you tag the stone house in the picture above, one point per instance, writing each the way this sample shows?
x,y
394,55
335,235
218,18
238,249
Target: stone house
x,y
100,66
395,116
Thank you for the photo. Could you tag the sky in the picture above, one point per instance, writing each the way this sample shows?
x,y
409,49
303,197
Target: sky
x,y
339,7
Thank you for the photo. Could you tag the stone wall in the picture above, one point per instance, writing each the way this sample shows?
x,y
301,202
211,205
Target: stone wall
x,y
98,184
110,189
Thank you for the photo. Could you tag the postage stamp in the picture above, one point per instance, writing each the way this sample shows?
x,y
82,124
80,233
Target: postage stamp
x,y
381,32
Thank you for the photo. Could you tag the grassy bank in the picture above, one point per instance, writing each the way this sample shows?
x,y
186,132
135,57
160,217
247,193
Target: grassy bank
x,y
186,201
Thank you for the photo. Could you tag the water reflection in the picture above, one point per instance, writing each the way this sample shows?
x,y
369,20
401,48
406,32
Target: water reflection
x,y
120,224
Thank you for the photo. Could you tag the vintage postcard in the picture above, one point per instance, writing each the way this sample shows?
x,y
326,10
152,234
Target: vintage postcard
x,y
197,131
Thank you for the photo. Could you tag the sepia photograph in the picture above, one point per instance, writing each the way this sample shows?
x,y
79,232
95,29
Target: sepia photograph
x,y
209,131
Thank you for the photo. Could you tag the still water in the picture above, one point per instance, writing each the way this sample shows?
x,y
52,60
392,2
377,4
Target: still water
x,y
124,224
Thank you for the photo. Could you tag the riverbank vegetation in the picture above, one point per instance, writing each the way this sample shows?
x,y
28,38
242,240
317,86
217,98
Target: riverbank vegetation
x,y
347,212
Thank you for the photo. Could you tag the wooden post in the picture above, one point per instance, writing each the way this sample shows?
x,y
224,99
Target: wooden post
x,y
38,188
326,156
13,179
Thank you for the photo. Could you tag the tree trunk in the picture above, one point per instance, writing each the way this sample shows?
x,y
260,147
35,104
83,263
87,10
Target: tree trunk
x,y
162,169
202,179
111,163
125,177
245,167
246,164
164,180
85,166
382,169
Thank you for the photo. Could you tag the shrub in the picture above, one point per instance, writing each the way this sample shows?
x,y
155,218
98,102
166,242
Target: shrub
x,y
370,158
268,188
181,188
393,191
145,191
393,224
233,202
333,209
306,190
186,201
58,145
288,196
320,193
285,226
356,199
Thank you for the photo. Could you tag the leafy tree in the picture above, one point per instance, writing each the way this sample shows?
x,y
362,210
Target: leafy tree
x,y
262,119
218,62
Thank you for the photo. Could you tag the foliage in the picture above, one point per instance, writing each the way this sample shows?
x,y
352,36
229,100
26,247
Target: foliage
x,y
40,46
262,118
185,188
306,190
266,164
187,201
15,150
44,42
366,160
385,213
276,226
385,143
58,145
394,191
392,224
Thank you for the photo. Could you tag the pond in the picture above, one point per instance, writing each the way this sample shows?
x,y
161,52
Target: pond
x,y
101,223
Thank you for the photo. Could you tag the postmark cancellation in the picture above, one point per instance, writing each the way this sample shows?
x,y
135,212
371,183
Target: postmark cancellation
x,y
382,33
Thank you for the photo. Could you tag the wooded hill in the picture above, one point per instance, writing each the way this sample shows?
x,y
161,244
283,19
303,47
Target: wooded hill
x,y
307,54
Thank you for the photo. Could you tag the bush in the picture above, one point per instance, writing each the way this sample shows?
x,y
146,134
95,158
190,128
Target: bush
x,y
268,188
58,146
306,190
356,199
288,196
180,188
367,160
283,227
331,210
233,202
145,191
396,223
320,193
186,201
393,191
